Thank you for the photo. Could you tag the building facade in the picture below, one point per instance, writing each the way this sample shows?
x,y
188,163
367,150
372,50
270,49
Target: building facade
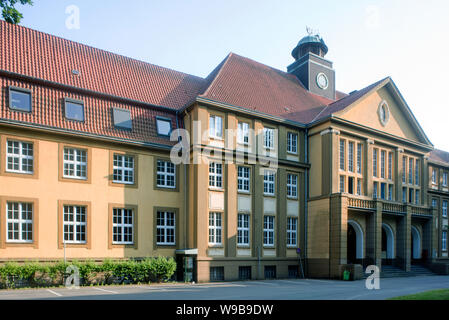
x,y
285,174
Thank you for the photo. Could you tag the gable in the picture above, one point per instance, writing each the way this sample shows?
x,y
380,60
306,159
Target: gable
x,y
400,121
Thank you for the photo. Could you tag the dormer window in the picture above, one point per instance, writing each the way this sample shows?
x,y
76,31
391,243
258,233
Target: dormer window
x,y
74,110
163,126
19,99
122,119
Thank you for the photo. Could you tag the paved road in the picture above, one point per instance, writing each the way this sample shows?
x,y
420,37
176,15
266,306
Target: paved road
x,y
249,290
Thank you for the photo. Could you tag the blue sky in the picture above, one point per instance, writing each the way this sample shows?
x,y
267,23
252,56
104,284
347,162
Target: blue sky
x,y
367,40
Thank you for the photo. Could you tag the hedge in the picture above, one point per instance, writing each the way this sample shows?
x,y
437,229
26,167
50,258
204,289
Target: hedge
x,y
34,274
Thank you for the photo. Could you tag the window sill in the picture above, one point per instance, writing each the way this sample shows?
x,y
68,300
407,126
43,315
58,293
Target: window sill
x,y
216,189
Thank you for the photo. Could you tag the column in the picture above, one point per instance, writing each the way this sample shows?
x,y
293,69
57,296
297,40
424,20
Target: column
x,y
374,236
403,241
338,233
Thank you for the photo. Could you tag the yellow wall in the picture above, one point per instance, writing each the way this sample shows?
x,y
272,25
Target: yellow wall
x,y
49,190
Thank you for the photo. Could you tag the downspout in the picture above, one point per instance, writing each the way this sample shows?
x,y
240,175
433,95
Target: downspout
x,y
306,197
185,187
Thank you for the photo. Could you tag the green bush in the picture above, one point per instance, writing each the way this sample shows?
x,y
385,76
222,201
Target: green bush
x,y
35,274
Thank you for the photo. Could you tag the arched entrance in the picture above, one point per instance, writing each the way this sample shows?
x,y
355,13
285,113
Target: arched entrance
x,y
354,243
416,244
387,244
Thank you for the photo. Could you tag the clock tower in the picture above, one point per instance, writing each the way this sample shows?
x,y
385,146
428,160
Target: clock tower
x,y
311,68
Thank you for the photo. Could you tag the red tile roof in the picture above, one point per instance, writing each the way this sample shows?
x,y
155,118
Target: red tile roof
x,y
439,156
248,84
40,55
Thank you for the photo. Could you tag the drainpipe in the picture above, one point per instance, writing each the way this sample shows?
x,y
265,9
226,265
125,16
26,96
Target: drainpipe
x,y
306,196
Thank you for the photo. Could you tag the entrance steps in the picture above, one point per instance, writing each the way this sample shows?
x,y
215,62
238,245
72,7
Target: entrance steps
x,y
415,271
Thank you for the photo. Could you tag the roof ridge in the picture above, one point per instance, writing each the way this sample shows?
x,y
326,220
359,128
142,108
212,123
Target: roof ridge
x,y
96,48
220,67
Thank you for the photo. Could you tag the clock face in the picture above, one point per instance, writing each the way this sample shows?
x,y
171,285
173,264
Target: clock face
x,y
322,81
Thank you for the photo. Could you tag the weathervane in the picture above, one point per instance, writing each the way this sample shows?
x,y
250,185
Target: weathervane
x,y
312,32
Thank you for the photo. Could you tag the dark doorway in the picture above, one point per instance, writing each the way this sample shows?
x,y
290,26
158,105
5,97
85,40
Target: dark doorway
x,y
352,245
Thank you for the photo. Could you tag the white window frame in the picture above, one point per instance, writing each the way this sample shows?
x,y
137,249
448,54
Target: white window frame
x,y
375,156
243,133
444,241
292,143
351,156
404,170
445,175
390,192
215,175
444,208
243,179
269,186
215,229
159,126
268,231
375,190
78,165
292,232
390,165
164,174
359,158
417,197
166,226
383,154
243,230
292,186
20,221
417,172
74,223
268,138
404,194
122,171
215,127
122,226
410,170
342,154
20,157
359,187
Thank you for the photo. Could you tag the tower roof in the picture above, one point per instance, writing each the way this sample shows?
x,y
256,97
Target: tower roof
x,y
310,40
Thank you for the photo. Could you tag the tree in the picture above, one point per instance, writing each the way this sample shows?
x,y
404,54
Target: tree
x,y
10,13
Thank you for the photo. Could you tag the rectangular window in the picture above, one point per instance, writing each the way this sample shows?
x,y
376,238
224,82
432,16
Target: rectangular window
x,y
292,232
404,170
292,186
122,226
383,191
215,228
217,274
359,187
445,179
163,126
434,203
410,195
342,184
444,240
215,175
351,156
75,163
166,174
243,179
268,183
444,213
122,119
216,127
417,197
350,185
244,273
268,138
359,158
417,172
75,224
375,190
19,222
123,169
390,192
390,165
342,155
404,195
410,171
74,110
382,164
268,231
243,229
375,163
20,99
292,143
243,133
165,228
19,157
434,176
